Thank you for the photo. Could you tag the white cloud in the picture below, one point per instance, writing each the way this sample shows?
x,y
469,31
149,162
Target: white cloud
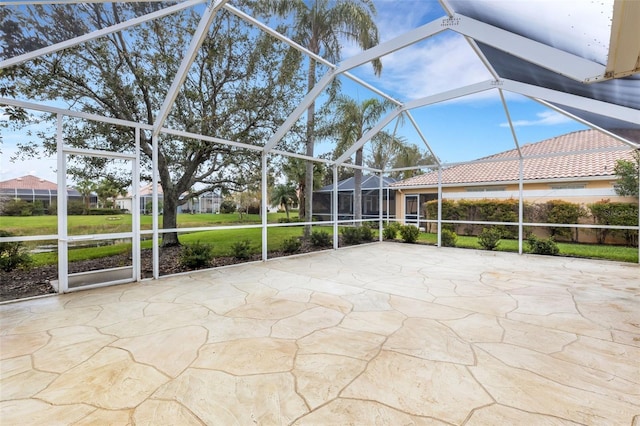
x,y
544,118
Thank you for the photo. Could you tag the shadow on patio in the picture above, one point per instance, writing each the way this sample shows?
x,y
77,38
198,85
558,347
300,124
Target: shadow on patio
x,y
381,334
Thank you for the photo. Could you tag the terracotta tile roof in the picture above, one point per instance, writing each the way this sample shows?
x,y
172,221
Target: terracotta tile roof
x,y
597,159
28,182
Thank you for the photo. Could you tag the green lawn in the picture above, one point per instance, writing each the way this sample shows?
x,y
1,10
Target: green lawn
x,y
221,240
82,225
608,252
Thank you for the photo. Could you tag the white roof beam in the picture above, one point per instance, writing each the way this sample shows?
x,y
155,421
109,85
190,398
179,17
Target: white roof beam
x,y
559,61
605,109
97,34
368,135
587,123
415,125
513,130
304,50
390,46
300,109
190,55
451,94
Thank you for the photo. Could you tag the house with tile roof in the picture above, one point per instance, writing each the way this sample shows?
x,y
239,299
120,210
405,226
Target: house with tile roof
x,y
32,188
576,167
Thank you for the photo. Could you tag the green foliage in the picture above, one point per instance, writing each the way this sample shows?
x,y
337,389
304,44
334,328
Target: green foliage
x,y
351,235
241,249
366,232
542,246
290,220
291,245
320,238
448,238
409,233
560,211
390,230
17,208
196,255
486,210
75,208
227,206
13,254
627,172
622,214
284,195
489,238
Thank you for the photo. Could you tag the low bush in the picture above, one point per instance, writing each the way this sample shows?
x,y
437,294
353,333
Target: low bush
x,y
196,255
489,238
13,254
17,208
542,246
291,245
390,230
227,206
241,249
409,233
320,239
366,232
351,235
448,238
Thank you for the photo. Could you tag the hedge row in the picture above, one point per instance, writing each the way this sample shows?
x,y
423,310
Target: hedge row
x,y
555,211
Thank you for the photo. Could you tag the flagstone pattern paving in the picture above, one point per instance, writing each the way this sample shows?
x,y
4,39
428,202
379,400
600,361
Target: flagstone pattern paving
x,y
383,334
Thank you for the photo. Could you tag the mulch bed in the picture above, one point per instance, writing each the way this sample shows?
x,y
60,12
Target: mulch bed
x,y
19,284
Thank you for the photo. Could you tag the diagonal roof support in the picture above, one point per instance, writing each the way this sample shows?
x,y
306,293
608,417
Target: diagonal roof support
x,y
513,130
452,94
190,55
300,109
559,61
96,34
415,125
368,135
606,109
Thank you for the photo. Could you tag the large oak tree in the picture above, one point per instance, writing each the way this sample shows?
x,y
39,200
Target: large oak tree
x,y
239,88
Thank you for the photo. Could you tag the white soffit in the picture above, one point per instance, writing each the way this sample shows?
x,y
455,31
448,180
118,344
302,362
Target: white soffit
x,y
624,46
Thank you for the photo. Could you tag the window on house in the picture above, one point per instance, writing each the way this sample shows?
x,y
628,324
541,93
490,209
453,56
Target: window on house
x,y
569,186
485,188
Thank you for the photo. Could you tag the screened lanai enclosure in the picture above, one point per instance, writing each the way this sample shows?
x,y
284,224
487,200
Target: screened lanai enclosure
x,y
237,97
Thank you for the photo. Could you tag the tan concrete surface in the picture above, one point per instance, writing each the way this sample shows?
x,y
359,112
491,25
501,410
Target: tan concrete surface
x,y
383,334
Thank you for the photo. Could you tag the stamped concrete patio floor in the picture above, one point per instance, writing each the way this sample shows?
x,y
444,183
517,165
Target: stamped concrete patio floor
x,y
381,334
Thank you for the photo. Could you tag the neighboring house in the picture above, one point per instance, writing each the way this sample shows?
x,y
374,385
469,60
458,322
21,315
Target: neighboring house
x,y
208,202
322,204
32,188
582,173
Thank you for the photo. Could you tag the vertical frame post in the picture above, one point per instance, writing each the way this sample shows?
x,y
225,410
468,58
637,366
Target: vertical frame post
x,y
334,206
439,205
520,205
380,201
154,207
135,206
63,244
264,206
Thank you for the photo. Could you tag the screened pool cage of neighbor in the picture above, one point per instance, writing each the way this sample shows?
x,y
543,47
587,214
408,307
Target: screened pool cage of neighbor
x,y
562,61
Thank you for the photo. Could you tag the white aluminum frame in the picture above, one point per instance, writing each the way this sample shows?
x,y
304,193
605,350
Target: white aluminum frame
x,y
561,62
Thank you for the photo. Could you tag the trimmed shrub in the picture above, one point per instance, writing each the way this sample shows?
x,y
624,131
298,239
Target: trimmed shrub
x,y
351,235
390,230
542,246
241,249
227,206
75,208
409,233
366,233
13,254
448,238
17,208
291,245
320,239
489,238
196,255
623,214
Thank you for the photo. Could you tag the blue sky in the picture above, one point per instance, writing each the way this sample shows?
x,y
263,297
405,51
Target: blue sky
x,y
459,130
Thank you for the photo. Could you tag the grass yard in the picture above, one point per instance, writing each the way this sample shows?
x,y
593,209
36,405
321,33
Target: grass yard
x,y
82,225
608,252
221,240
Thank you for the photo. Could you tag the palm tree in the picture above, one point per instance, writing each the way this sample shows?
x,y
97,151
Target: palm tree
x,y
353,121
284,195
408,156
322,26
